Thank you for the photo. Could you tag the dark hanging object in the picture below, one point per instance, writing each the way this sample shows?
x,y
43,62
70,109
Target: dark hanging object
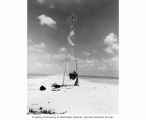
x,y
73,75
42,88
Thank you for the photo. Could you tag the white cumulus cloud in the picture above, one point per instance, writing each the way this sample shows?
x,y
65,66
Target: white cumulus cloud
x,y
110,38
45,20
109,50
87,62
111,42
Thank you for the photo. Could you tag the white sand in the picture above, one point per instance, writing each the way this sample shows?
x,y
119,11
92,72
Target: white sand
x,y
88,98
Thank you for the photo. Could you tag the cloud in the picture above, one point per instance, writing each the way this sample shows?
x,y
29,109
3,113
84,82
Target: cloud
x,y
39,67
112,62
91,61
87,62
37,64
115,59
60,55
52,6
109,50
41,1
115,46
86,53
111,42
62,49
41,45
37,47
111,38
45,20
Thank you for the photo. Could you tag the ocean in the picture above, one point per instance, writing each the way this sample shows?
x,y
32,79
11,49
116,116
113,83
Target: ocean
x,y
99,79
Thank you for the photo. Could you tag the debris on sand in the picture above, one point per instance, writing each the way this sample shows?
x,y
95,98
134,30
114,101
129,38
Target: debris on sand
x,y
42,88
44,111
55,89
41,108
55,85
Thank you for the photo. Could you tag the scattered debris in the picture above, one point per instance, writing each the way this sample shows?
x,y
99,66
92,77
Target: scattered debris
x,y
55,85
33,111
42,111
42,88
48,112
55,89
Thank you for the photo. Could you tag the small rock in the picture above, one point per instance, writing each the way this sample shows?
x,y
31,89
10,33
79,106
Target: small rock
x,y
42,88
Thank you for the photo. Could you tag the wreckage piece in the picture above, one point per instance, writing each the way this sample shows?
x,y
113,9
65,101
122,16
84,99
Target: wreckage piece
x,y
73,75
55,85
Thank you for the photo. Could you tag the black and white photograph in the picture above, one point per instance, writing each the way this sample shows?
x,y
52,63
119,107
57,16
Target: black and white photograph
x,y
72,57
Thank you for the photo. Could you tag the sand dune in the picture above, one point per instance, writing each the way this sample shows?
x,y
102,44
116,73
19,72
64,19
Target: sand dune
x,y
88,98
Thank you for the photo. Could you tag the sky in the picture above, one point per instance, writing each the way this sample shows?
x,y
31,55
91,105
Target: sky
x,y
96,36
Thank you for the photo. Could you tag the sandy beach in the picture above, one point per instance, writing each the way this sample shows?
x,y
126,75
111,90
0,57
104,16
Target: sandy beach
x,y
88,98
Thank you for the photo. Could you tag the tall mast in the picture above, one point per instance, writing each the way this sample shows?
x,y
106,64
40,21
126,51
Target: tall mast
x,y
64,71
71,28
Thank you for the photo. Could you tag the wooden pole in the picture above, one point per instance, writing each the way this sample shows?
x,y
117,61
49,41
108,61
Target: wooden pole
x,y
64,72
77,79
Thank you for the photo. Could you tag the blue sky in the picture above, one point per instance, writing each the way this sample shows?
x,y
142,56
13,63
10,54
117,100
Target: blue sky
x,y
96,36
